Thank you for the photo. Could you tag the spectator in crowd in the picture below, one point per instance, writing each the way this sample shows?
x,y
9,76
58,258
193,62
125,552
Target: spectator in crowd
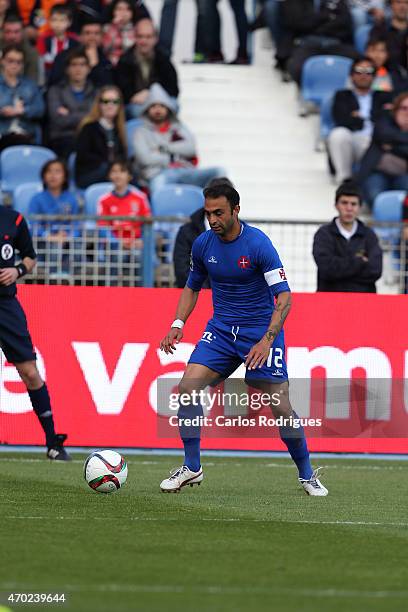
x,y
139,10
346,252
124,201
354,111
385,164
55,199
365,12
141,66
68,102
168,25
58,38
165,150
101,139
212,29
182,246
21,102
119,32
35,16
90,38
4,12
394,31
312,31
13,34
270,15
388,76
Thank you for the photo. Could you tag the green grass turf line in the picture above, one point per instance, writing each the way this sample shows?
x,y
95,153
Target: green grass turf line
x,y
247,539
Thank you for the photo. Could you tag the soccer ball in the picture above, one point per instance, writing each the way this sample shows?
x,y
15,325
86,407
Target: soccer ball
x,y
105,471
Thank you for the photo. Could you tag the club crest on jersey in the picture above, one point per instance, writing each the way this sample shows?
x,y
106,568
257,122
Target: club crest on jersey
x,y
212,259
243,262
7,251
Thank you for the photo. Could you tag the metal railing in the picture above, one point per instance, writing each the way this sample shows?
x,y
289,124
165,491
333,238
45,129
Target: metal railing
x,y
89,253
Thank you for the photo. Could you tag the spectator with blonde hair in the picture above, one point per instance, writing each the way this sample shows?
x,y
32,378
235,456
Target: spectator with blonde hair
x,y
101,137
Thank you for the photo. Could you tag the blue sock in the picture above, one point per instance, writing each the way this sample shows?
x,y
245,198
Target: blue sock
x,y
191,435
41,404
295,440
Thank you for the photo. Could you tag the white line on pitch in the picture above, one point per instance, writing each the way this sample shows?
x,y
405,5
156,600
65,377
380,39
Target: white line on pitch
x,y
204,519
221,464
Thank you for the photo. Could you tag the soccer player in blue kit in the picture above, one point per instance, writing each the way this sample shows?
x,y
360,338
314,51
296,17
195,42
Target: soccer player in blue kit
x,y
15,340
251,300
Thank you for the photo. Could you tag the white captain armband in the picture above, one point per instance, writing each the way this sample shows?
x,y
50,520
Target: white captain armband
x,y
273,277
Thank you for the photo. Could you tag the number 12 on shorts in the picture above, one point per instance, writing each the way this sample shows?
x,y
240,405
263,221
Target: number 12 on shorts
x,y
275,357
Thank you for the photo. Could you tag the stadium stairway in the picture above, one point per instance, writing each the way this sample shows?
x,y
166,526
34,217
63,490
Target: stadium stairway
x,y
246,120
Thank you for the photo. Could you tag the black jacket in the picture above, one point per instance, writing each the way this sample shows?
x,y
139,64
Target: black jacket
x,y
92,149
129,78
338,266
345,102
300,19
100,75
332,19
386,132
182,247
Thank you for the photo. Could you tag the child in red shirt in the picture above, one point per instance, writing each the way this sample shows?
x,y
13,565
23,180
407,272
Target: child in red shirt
x,y
124,200
57,38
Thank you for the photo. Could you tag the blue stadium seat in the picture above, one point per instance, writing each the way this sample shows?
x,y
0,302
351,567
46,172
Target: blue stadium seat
x,y
388,207
92,195
174,200
180,200
131,125
361,36
326,118
22,164
22,196
322,75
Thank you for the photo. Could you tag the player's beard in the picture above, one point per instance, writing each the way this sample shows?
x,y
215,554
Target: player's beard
x,y
223,229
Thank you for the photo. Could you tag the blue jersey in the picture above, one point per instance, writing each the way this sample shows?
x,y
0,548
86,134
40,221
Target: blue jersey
x,y
246,274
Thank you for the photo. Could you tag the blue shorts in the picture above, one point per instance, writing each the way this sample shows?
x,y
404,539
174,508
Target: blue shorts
x,y
223,348
15,340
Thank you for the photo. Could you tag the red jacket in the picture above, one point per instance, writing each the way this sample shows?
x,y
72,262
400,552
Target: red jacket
x,y
133,203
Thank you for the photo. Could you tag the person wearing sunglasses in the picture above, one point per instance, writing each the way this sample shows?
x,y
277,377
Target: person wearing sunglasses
x,y
354,111
21,102
385,164
101,138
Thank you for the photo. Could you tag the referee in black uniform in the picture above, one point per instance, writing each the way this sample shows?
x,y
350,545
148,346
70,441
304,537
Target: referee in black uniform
x,y
15,340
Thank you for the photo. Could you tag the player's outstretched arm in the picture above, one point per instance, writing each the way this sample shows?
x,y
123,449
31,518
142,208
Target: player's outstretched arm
x,y
260,351
187,302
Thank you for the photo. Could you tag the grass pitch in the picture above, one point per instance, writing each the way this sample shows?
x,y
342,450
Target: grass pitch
x,y
247,539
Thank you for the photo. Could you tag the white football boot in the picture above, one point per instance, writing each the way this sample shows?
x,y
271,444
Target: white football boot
x,y
313,486
180,477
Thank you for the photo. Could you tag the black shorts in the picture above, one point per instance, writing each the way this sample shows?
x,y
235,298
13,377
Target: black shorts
x,y
15,339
